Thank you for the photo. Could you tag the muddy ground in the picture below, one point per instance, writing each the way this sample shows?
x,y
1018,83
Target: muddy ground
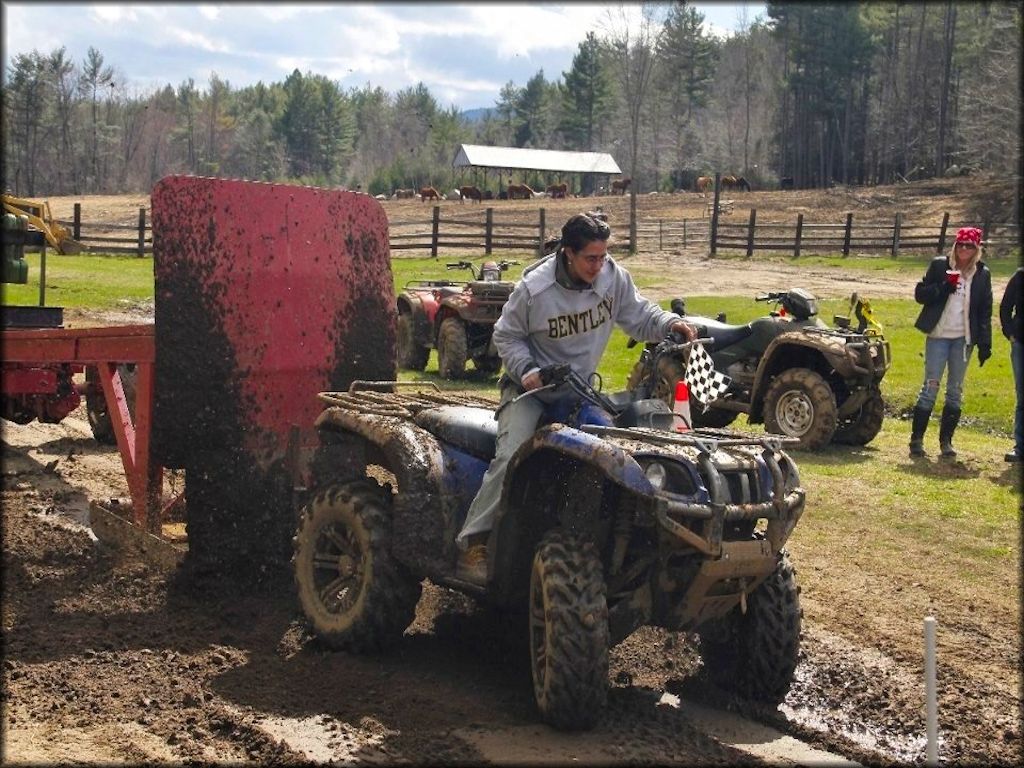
x,y
110,658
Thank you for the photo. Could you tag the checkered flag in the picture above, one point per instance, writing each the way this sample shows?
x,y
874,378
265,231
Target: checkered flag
x,y
705,383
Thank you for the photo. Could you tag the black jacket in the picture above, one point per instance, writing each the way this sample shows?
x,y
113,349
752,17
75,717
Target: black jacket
x,y
1011,308
933,290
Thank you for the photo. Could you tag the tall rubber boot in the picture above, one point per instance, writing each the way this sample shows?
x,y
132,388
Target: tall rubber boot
x,y
917,430
947,426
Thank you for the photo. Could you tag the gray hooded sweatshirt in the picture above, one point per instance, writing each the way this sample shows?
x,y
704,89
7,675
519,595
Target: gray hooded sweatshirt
x,y
545,323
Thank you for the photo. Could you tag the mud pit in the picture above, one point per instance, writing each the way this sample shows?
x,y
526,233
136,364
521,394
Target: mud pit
x,y
108,658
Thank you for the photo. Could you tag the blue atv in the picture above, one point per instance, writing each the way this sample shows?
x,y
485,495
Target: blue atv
x,y
611,519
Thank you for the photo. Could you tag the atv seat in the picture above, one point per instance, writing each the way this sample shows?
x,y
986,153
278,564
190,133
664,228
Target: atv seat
x,y
724,335
449,290
473,430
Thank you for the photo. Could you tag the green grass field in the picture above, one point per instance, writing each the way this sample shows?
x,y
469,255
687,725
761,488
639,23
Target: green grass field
x,y
112,282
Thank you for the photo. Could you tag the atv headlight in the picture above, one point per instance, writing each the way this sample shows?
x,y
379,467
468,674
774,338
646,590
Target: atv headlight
x,y
656,475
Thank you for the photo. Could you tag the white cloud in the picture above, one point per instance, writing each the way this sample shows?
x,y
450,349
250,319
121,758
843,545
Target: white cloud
x,y
113,14
280,12
464,53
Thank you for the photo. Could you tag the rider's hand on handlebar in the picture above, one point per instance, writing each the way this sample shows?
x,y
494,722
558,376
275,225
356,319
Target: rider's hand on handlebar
x,y
685,330
532,380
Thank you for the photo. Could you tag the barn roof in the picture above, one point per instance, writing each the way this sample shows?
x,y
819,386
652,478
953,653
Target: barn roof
x,y
534,159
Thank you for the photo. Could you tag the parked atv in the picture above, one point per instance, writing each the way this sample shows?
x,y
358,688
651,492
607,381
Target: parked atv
x,y
792,372
610,520
455,318
96,403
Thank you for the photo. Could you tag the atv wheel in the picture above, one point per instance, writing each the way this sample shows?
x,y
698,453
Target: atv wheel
x,y
568,632
412,356
354,595
861,428
487,365
755,653
96,403
452,347
665,390
799,403
712,417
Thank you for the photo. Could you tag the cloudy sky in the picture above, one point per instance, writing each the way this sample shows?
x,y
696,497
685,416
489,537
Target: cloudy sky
x,y
464,53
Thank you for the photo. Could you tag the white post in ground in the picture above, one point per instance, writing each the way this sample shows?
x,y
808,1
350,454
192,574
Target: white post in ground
x,y
931,703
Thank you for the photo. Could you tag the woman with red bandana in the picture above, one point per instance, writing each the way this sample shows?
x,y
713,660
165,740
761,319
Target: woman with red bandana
x,y
956,294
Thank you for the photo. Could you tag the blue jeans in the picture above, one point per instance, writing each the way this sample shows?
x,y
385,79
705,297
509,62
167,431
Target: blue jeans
x,y
1017,361
940,354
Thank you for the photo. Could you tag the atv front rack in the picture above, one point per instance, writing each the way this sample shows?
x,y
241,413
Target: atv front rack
x,y
781,511
705,440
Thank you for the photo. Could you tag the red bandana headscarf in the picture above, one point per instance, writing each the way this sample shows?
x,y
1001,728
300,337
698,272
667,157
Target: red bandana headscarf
x,y
969,235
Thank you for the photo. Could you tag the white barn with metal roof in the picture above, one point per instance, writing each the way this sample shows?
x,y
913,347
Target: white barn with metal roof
x,y
517,158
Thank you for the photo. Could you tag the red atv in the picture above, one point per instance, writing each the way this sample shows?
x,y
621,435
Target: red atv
x,y
455,318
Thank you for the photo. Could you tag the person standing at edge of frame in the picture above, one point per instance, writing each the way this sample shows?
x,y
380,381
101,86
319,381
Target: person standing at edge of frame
x,y
956,294
1011,309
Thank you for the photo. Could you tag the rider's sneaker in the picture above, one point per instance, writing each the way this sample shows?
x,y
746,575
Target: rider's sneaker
x,y
472,566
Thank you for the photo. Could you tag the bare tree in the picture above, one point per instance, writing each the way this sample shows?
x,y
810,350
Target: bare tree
x,y
632,44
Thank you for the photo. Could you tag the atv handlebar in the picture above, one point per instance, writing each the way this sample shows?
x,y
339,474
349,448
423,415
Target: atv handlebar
x,y
502,266
554,376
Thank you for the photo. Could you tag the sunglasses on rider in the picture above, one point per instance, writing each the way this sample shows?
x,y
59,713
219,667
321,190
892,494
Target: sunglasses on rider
x,y
968,246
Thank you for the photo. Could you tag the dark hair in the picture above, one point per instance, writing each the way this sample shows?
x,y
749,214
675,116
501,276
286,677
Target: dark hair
x,y
582,229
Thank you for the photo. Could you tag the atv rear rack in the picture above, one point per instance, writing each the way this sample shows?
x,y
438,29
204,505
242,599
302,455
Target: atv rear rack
x,y
402,405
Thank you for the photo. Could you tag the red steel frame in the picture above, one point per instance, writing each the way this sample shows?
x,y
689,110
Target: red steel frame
x,y
106,348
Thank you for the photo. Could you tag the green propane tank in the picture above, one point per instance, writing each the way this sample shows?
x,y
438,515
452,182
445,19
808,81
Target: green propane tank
x,y
15,266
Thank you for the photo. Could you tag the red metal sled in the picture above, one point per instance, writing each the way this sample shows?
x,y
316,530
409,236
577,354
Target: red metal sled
x,y
29,359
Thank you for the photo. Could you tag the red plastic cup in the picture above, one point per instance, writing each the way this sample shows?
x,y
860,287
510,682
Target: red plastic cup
x,y
953,277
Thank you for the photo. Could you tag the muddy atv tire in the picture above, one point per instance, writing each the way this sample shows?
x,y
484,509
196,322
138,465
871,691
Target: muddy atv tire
x,y
865,424
452,349
412,356
354,595
487,365
799,403
96,404
755,653
568,620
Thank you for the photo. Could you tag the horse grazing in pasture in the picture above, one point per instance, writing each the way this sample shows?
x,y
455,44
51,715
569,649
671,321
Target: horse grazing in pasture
x,y
619,186
704,183
404,194
471,192
429,193
735,182
558,190
520,192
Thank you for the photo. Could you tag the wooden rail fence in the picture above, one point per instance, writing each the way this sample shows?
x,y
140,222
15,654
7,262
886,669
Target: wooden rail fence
x,y
481,231
846,238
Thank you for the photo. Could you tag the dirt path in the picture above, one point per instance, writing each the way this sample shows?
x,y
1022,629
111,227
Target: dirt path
x,y
109,659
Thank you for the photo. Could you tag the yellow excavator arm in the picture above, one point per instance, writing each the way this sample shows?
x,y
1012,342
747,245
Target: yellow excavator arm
x,y
39,217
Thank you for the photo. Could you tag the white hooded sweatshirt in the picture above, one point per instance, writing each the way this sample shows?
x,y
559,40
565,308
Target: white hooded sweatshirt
x,y
545,323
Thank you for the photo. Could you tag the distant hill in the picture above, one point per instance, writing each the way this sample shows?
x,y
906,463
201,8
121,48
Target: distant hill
x,y
477,115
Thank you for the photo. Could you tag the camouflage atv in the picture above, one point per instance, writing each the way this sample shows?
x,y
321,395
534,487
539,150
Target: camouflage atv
x,y
455,318
609,520
791,372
